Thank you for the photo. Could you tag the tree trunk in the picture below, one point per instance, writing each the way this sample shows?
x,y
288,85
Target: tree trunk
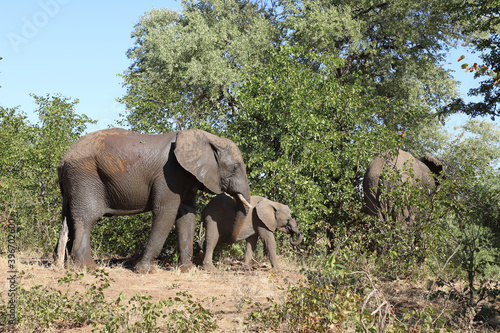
x,y
59,253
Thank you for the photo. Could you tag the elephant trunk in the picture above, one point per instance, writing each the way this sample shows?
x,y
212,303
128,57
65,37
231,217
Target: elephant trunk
x,y
295,230
297,242
242,210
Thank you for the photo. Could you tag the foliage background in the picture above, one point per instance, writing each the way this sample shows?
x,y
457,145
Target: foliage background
x,y
31,154
311,92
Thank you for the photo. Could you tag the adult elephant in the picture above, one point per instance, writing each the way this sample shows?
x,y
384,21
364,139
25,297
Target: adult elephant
x,y
423,171
118,172
262,221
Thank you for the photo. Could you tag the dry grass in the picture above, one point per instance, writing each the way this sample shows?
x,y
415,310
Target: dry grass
x,y
224,292
227,291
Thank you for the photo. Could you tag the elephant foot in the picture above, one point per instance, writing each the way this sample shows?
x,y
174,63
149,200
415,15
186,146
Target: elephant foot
x,y
81,268
81,264
184,268
209,267
143,267
247,265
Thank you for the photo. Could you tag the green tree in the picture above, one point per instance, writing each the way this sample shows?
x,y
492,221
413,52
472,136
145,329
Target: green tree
x,y
15,140
489,87
186,66
476,144
397,47
428,137
304,142
467,209
30,191
362,75
473,161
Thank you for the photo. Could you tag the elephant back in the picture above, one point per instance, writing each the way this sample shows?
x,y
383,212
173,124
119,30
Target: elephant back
x,y
408,166
221,208
403,165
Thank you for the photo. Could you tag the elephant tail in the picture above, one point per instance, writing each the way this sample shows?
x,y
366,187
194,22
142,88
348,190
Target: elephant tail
x,y
60,250
60,177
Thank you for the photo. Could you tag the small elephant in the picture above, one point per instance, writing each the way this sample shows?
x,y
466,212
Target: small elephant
x,y
426,170
118,172
262,220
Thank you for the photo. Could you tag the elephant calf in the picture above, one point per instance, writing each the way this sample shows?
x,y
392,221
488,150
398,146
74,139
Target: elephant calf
x,y
262,220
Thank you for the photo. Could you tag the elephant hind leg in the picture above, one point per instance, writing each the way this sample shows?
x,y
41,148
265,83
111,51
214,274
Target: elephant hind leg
x,y
251,246
80,244
80,252
211,240
84,211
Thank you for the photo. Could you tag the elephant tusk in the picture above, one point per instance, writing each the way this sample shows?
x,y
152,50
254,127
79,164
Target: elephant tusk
x,y
245,202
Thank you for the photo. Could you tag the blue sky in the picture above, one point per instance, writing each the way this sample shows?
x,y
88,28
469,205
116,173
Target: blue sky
x,y
77,48
72,47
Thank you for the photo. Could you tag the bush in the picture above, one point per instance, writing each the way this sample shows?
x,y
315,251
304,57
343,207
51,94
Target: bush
x,y
29,192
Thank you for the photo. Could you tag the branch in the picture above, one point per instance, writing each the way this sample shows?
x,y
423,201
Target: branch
x,y
360,12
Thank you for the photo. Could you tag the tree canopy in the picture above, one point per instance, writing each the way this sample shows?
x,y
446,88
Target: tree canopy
x,y
187,66
397,47
481,20
310,90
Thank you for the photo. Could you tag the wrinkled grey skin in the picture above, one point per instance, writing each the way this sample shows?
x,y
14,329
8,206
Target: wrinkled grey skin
x,y
425,169
262,221
118,172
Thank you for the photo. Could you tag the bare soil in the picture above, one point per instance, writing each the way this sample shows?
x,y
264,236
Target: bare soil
x,y
224,291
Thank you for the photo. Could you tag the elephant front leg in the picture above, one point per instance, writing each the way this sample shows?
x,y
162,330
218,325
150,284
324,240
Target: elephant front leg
x,y
269,245
185,225
163,220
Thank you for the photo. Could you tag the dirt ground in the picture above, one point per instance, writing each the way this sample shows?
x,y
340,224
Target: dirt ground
x,y
224,292
231,285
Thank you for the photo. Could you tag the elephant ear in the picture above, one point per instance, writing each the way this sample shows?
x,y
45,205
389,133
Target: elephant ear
x,y
267,213
197,155
435,165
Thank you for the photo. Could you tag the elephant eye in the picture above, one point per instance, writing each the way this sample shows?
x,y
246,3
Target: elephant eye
x,y
236,166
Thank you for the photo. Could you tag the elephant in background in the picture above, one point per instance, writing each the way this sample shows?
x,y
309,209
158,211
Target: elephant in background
x,y
425,172
118,172
262,221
